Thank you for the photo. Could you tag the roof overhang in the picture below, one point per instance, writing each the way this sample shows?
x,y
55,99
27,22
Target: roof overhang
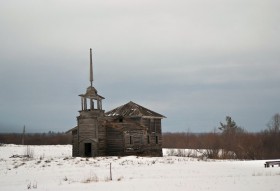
x,y
70,130
152,117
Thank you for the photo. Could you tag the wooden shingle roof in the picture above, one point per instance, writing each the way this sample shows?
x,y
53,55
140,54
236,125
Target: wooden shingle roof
x,y
132,109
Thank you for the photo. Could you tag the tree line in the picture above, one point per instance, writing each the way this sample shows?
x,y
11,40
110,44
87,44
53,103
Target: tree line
x,y
231,141
50,138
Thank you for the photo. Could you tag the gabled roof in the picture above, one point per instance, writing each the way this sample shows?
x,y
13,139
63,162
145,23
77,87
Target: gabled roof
x,y
132,109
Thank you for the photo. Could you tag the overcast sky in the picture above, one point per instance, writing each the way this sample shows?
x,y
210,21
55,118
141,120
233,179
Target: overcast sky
x,y
194,61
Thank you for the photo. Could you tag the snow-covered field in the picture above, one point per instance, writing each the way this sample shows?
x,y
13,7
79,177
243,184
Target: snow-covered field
x,y
52,168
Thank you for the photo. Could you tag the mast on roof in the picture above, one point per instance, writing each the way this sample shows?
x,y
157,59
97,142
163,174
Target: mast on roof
x,y
91,69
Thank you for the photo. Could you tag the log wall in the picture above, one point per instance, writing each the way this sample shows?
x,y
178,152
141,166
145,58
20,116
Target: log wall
x,y
114,137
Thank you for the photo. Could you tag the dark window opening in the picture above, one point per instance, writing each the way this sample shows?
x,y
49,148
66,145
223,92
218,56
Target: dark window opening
x,y
156,139
74,132
120,120
130,140
88,150
148,139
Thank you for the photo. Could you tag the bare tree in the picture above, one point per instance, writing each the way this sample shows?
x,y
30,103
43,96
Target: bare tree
x,y
274,123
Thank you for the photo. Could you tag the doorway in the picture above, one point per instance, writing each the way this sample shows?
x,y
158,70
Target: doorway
x,y
88,150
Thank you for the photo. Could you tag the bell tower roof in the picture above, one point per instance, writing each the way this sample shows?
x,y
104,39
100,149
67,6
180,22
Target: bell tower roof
x,y
91,94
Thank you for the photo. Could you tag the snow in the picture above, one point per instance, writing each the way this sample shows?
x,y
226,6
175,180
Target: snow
x,y
53,168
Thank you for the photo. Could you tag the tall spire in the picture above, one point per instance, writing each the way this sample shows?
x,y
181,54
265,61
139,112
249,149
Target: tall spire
x,y
91,70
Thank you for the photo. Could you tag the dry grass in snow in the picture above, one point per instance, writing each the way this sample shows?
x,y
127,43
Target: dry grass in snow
x,y
53,168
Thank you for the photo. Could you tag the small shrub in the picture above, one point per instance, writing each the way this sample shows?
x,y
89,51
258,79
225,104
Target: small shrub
x,y
171,152
92,178
190,153
29,153
34,185
181,153
42,157
29,185
120,178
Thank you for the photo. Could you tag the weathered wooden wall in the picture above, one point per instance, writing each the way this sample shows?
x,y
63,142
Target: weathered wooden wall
x,y
111,136
131,137
154,134
102,143
75,143
114,140
90,130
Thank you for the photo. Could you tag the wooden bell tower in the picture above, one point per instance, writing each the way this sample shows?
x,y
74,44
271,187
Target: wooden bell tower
x,y
90,132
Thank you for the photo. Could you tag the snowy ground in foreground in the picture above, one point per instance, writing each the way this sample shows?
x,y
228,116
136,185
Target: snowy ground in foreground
x,y
53,168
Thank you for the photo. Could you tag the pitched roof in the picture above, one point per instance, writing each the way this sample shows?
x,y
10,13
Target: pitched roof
x,y
132,109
